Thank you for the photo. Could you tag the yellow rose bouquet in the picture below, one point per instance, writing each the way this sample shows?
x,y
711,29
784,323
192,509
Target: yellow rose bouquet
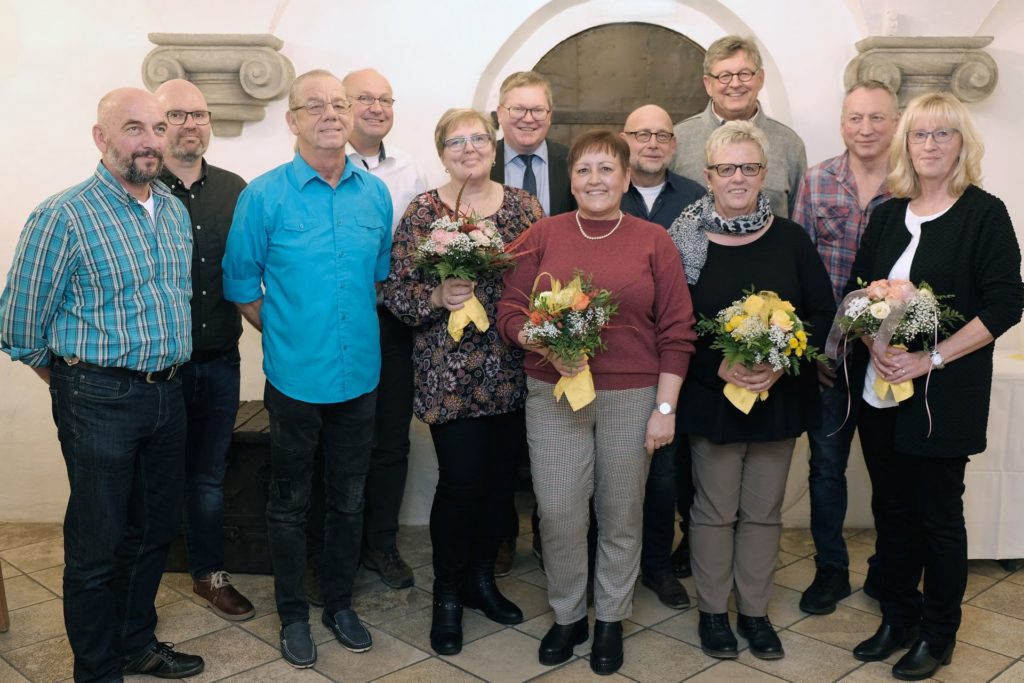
x,y
759,328
568,320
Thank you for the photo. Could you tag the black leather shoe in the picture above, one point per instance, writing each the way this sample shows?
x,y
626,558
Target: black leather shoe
x,y
922,660
887,639
482,593
680,559
558,642
446,626
830,585
761,636
606,650
160,660
670,592
716,638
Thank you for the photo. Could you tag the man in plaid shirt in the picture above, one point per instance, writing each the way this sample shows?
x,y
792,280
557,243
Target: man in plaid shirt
x,y
833,203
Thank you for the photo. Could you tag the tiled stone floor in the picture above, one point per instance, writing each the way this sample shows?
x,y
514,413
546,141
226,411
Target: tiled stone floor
x,y
661,644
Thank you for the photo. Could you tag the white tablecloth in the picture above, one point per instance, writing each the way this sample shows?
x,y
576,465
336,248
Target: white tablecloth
x,y
994,500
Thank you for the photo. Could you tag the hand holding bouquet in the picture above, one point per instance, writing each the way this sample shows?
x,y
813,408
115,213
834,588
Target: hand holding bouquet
x,y
567,321
463,247
893,313
759,329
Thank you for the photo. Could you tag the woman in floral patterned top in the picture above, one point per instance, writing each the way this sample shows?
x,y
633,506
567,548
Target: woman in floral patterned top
x,y
471,392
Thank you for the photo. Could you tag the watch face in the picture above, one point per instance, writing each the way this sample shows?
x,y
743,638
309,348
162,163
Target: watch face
x,y
665,409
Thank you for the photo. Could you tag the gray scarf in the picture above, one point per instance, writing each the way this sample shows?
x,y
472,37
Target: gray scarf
x,y
689,231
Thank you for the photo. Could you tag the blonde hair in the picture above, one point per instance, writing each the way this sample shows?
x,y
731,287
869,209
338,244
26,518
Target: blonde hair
x,y
454,117
733,132
293,92
726,47
523,79
903,180
872,84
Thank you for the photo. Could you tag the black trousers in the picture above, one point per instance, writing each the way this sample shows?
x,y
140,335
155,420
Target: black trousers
x,y
919,517
476,459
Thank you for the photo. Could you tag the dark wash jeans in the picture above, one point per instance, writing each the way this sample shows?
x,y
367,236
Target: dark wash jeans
x,y
123,442
659,511
211,404
389,459
827,479
345,431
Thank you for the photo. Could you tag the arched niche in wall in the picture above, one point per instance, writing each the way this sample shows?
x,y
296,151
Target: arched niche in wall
x,y
601,74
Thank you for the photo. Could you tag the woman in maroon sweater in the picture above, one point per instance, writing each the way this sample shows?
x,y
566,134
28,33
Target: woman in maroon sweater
x,y
599,451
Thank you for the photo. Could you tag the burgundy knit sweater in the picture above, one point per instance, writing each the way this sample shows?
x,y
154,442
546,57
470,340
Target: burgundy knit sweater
x,y
653,329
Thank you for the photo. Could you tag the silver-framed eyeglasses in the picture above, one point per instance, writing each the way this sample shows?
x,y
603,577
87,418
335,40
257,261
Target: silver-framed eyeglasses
x,y
725,77
200,117
643,136
728,170
940,135
317,108
517,112
368,100
479,141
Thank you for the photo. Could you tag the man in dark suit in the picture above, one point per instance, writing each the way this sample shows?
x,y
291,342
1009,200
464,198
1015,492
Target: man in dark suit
x,y
524,114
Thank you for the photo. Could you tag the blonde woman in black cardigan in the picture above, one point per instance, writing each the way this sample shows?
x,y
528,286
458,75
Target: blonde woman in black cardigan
x,y
942,228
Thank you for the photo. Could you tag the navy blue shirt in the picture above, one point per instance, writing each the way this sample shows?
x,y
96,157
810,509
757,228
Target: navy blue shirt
x,y
678,193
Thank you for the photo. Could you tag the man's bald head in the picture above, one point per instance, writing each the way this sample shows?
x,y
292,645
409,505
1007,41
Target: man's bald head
x,y
186,141
130,132
649,159
373,121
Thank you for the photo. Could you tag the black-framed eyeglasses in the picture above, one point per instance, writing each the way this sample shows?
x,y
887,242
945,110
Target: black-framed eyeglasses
x,y
725,77
643,136
728,170
479,141
940,135
517,112
317,108
368,100
200,117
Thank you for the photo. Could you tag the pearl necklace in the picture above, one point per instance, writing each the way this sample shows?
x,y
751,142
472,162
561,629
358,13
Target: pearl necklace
x,y
608,234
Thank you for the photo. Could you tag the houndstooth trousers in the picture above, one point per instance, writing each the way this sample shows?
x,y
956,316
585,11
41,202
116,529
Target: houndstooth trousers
x,y
596,452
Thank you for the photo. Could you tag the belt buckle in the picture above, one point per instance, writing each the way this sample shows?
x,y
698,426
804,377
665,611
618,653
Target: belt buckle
x,y
151,377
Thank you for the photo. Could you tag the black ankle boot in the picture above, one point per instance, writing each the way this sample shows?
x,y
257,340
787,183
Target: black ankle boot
x,y
446,625
482,594
922,660
716,637
557,645
761,636
887,639
606,650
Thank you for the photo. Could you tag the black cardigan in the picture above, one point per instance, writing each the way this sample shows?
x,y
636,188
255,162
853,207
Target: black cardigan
x,y
970,253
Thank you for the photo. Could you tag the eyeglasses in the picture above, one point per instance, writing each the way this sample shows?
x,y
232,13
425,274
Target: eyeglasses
x,y
940,135
517,112
725,78
643,136
317,108
368,100
200,117
728,170
479,141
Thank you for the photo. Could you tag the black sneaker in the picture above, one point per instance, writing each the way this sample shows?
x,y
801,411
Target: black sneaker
x,y
349,631
160,660
830,585
297,646
393,570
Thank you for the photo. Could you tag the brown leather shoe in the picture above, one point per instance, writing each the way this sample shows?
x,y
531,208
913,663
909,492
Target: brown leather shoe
x,y
506,554
216,592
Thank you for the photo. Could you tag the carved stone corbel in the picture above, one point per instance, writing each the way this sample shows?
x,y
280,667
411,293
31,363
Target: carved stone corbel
x,y
914,65
239,74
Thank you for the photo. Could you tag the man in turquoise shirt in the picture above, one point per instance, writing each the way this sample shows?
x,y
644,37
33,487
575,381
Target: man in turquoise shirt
x,y
308,241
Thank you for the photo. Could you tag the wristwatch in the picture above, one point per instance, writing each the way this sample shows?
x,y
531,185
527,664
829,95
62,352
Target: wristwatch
x,y
937,361
665,408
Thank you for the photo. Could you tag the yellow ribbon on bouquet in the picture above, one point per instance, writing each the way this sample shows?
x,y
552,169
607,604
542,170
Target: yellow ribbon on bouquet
x,y
743,399
472,311
579,389
901,391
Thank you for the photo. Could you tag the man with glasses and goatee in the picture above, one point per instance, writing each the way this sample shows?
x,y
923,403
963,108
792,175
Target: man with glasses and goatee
x,y
733,78
211,377
309,241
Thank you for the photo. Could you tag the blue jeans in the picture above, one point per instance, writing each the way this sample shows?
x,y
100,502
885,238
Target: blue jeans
x,y
827,480
660,512
211,403
345,431
123,442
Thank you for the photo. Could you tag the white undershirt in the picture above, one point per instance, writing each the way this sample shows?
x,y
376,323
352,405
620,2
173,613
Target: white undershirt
x,y
150,208
650,194
900,271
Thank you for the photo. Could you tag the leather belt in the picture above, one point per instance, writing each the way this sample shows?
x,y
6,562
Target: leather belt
x,y
153,377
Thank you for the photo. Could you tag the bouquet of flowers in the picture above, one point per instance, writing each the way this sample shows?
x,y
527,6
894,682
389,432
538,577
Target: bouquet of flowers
x,y
892,312
568,320
464,247
759,328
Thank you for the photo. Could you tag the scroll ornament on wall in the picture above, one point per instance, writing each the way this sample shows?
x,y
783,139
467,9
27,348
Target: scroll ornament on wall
x,y
239,74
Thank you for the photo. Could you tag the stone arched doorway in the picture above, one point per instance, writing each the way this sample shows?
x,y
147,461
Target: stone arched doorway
x,y
601,74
